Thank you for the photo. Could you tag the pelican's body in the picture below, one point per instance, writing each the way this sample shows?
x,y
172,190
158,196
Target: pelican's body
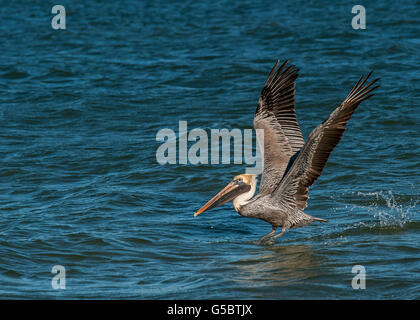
x,y
290,164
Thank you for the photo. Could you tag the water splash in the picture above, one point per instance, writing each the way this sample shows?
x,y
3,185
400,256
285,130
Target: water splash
x,y
391,210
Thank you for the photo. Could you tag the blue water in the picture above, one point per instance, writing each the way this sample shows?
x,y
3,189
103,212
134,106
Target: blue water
x,y
80,185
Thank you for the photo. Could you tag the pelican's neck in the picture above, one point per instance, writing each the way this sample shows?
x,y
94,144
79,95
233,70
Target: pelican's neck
x,y
242,199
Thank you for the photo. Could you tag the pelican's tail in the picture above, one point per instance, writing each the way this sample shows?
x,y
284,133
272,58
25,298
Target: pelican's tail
x,y
300,219
319,219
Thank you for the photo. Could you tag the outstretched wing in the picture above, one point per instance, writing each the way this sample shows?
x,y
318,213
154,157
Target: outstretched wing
x,y
293,189
276,115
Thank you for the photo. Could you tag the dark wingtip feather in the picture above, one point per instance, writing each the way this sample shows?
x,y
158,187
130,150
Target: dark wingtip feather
x,y
273,72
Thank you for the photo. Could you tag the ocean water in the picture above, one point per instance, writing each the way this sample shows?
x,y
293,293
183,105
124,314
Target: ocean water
x,y
80,185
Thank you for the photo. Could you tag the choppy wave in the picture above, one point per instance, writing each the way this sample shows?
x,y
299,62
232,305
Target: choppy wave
x,y
79,181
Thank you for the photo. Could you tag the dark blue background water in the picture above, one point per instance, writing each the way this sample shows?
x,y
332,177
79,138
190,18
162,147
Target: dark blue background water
x,y
80,186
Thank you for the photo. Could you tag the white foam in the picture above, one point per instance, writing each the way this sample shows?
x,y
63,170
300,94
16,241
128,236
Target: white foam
x,y
393,212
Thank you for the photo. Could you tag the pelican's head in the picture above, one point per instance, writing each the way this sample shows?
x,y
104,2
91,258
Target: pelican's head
x,y
239,190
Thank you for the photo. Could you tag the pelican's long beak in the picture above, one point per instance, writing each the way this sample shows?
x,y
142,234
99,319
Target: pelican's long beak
x,y
230,192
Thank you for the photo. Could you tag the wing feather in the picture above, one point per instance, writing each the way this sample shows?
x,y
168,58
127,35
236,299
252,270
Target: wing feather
x,y
276,115
293,189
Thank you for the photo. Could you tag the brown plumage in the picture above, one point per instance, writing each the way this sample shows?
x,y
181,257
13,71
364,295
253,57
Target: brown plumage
x,y
276,115
291,165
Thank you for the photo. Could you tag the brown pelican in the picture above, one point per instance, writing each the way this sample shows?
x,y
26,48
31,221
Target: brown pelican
x,y
290,165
